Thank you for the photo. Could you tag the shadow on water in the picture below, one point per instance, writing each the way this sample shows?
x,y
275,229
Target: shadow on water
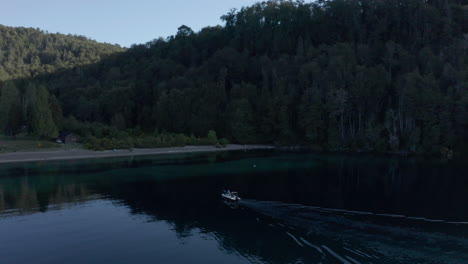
x,y
300,208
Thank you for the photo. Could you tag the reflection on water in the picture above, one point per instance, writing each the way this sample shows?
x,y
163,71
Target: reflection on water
x,y
298,208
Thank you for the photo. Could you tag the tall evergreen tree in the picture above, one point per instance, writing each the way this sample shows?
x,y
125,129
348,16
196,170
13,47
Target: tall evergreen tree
x,y
8,107
43,122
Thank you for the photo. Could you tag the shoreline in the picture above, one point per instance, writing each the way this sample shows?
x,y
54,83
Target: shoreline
x,y
75,154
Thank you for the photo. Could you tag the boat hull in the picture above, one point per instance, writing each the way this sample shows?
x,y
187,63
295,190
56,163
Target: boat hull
x,y
230,197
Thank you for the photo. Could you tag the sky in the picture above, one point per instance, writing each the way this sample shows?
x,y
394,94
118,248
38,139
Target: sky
x,y
122,22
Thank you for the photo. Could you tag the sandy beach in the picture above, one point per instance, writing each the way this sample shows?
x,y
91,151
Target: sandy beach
x,y
73,154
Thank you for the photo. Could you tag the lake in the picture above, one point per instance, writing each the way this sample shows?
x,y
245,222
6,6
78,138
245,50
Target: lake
x,y
296,208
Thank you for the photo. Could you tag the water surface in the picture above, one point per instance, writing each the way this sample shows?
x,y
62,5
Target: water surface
x,y
297,208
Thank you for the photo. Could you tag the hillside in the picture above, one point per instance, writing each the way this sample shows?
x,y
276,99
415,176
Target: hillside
x,y
28,52
335,75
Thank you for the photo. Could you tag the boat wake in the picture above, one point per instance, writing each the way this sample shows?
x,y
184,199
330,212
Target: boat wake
x,y
364,237
254,203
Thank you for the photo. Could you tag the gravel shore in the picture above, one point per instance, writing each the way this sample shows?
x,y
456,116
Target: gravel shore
x,y
73,154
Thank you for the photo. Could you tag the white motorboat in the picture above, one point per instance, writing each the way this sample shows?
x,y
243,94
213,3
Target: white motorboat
x,y
232,196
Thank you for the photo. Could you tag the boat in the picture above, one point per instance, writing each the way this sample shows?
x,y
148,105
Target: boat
x,y
232,196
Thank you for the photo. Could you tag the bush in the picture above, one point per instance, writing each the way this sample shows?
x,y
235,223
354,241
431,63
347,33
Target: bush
x,y
106,138
212,139
93,143
223,142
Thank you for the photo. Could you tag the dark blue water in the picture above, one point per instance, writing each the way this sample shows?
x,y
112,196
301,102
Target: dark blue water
x,y
297,208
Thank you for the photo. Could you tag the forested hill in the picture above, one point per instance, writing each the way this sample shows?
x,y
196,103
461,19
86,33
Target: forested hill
x,y
332,74
28,52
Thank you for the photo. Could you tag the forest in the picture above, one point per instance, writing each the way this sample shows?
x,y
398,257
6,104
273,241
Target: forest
x,y
333,75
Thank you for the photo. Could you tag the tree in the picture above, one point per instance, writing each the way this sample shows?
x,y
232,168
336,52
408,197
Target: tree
x,y
311,118
212,138
28,104
43,122
241,122
56,109
8,107
184,31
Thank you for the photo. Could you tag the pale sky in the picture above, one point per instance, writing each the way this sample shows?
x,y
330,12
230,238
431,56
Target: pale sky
x,y
116,21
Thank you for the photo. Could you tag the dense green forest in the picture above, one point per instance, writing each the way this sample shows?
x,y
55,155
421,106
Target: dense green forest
x,y
28,52
374,75
25,53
